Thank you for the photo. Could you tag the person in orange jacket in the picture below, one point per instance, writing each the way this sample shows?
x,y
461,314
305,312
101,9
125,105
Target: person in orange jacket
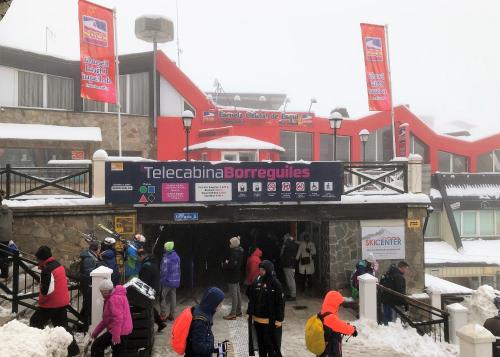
x,y
334,327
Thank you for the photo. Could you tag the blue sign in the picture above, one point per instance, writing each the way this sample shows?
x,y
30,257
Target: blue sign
x,y
185,216
180,182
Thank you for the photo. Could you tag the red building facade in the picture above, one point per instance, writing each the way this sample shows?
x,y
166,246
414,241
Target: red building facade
x,y
306,136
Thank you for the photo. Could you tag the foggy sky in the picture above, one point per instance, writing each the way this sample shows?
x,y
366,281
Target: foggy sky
x,y
445,55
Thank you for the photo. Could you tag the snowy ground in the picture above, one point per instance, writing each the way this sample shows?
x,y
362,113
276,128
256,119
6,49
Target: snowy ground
x,y
379,340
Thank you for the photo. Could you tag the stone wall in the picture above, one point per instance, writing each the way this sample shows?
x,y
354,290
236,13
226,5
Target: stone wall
x,y
58,229
138,133
345,251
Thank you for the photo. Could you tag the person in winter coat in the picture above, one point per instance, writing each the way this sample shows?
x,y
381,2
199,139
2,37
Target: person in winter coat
x,y
89,260
170,280
150,274
132,264
232,267
394,279
200,341
288,258
334,327
252,268
266,310
108,257
305,257
116,319
493,325
53,297
368,265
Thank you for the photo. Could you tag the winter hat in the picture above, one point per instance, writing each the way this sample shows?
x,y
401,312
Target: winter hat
x,y
234,242
371,258
109,241
169,246
140,238
106,285
212,298
268,266
43,253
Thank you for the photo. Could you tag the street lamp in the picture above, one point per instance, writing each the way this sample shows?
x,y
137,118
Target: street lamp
x,y
363,136
313,101
335,119
187,121
287,100
237,99
155,29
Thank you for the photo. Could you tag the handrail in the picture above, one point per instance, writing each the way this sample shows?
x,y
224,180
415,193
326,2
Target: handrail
x,y
414,301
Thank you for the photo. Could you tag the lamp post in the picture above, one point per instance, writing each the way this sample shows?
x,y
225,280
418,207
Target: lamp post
x,y
237,99
363,136
335,119
313,101
187,121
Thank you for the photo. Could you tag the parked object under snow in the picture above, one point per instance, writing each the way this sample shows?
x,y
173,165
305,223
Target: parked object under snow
x,y
20,340
481,304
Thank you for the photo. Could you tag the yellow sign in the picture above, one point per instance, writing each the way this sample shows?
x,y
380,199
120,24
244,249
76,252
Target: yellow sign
x,y
413,223
117,166
125,225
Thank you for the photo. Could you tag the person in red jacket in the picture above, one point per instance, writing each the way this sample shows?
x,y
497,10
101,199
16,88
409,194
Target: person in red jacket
x,y
333,325
53,297
252,269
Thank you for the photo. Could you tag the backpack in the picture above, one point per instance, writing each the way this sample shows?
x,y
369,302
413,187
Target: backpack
x,y
180,330
315,334
387,279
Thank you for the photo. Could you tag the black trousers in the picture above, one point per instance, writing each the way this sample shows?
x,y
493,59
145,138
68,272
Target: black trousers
x,y
268,340
86,311
104,341
58,317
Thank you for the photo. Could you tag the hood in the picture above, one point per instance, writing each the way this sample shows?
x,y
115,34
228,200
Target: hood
x,y
257,253
212,298
268,267
332,302
46,261
119,290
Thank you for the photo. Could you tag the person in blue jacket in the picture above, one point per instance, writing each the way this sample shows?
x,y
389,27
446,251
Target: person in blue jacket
x,y
200,341
108,257
132,263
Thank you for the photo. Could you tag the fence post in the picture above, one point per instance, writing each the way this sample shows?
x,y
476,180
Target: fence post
x,y
99,162
435,301
458,318
15,284
475,341
7,181
98,275
415,173
368,297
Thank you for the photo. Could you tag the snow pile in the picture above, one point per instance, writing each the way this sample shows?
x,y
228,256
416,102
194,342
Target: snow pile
x,y
435,284
474,251
20,340
54,201
5,312
481,305
406,342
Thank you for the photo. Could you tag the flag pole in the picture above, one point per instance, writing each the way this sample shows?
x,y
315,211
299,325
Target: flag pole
x,y
117,86
386,28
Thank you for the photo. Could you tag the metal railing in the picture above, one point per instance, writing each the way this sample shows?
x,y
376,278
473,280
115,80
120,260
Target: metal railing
x,y
23,289
375,177
424,318
21,181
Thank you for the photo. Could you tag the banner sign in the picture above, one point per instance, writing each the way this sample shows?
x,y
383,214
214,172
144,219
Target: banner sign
x,y
403,140
377,73
239,116
97,52
384,241
182,182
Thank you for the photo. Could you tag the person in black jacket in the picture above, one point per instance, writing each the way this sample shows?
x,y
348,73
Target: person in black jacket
x,y
493,325
89,260
266,309
394,279
288,260
200,341
150,274
233,269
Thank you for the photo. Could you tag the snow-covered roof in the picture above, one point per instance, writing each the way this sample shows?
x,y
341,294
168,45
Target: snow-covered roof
x,y
236,143
435,194
473,251
435,284
52,201
128,159
474,190
49,132
70,162
474,132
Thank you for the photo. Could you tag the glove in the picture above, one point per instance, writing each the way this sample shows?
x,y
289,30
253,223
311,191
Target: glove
x,y
355,333
116,340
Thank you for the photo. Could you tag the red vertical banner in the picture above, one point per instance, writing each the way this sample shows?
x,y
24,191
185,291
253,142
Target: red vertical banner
x,y
97,52
377,71
404,140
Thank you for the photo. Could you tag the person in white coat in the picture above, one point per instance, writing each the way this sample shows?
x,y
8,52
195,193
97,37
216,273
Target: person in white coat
x,y
305,257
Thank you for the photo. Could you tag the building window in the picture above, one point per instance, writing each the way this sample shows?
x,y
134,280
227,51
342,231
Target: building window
x,y
123,97
469,226
297,145
326,148
448,162
433,229
379,145
30,89
489,162
17,157
239,156
204,156
480,223
60,92
417,146
139,93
